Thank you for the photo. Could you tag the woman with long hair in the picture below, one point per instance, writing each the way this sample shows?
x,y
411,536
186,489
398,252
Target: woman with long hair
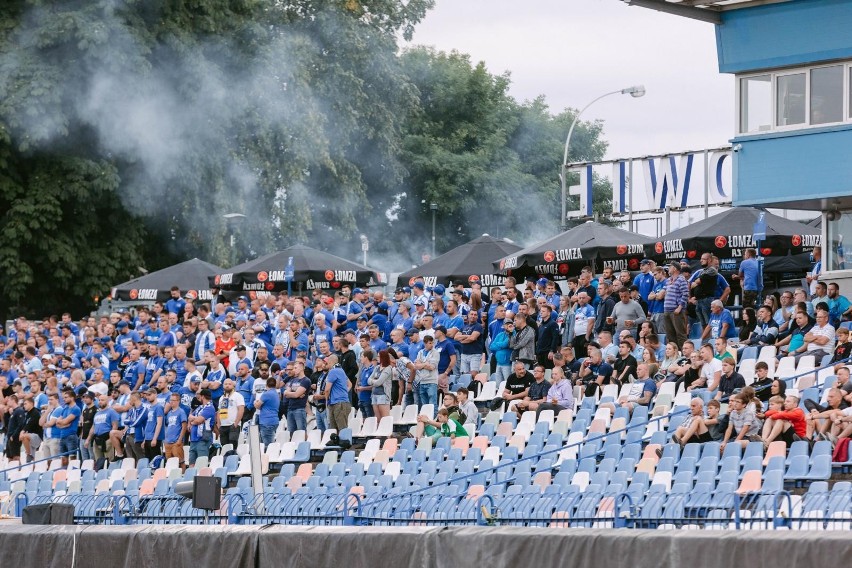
x,y
749,323
382,381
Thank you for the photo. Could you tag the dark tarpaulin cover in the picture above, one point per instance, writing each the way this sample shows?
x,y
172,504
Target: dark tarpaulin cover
x,y
584,245
160,546
728,233
315,269
190,276
464,264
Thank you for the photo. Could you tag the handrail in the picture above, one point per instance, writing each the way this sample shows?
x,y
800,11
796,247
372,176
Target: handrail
x,y
536,456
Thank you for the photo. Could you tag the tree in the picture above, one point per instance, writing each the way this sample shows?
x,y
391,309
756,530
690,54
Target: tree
x,y
164,116
488,162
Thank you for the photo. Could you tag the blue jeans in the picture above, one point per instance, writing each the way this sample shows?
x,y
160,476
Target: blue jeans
x,y
86,453
198,449
322,421
366,408
428,394
703,309
412,397
267,434
297,419
69,444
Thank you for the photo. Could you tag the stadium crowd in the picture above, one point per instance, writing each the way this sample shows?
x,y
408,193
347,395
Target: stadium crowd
x,y
144,383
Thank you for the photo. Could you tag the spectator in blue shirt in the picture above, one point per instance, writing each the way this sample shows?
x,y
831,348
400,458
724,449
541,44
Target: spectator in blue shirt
x,y
175,421
106,419
267,411
337,395
201,422
644,280
721,323
67,423
175,304
839,307
750,278
154,431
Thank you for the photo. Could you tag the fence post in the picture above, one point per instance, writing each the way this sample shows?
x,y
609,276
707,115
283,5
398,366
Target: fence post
x,y
623,519
780,521
481,519
233,515
737,503
117,517
19,508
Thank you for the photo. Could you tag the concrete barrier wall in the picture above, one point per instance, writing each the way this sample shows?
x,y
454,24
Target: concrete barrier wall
x,y
355,547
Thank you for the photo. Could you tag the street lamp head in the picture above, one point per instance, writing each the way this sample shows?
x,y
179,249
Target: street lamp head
x,y
230,216
433,206
635,91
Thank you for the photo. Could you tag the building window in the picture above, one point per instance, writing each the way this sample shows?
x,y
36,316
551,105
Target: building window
x,y
793,99
756,103
790,99
837,257
827,95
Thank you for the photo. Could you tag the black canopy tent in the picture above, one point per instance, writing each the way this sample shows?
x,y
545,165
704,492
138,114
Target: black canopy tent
x,y
192,277
589,244
312,269
729,233
470,262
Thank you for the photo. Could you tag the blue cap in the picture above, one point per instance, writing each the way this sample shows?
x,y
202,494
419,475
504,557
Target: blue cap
x,y
382,306
542,282
357,291
105,339
244,298
418,285
121,325
439,289
241,317
406,289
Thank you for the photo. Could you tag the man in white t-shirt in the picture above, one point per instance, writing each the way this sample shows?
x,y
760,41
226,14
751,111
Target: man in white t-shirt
x,y
711,371
819,341
232,405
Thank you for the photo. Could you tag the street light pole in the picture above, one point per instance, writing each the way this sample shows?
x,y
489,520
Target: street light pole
x,y
365,246
635,92
434,208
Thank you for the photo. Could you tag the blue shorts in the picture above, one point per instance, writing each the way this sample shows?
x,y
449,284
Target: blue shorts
x,y
69,444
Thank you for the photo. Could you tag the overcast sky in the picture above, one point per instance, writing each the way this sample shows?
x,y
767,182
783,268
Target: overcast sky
x,y
572,51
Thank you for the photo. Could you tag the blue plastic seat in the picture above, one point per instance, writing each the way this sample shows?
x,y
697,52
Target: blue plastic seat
x,y
820,468
798,468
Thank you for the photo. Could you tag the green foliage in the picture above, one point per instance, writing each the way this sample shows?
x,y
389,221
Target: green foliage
x,y
127,129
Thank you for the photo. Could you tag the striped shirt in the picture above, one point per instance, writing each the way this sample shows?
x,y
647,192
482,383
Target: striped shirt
x,y
677,294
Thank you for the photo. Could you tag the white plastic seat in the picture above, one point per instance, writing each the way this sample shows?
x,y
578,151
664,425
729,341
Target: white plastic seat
x,y
667,388
393,469
580,479
272,452
287,453
610,391
368,428
409,415
384,429
488,392
663,478
315,439
245,466
603,414
216,462
546,416
767,354
786,367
